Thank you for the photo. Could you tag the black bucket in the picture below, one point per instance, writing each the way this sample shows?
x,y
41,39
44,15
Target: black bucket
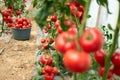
x,y
21,34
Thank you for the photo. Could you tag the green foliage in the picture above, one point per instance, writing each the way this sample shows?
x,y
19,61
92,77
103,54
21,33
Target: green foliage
x,y
37,77
17,4
108,36
119,1
35,3
104,3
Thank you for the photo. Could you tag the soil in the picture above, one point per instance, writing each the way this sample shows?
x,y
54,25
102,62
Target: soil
x,y
18,57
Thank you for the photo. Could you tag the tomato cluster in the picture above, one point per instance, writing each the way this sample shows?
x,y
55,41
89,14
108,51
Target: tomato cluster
x,y
75,59
46,43
48,71
76,9
76,46
22,23
7,16
100,59
19,22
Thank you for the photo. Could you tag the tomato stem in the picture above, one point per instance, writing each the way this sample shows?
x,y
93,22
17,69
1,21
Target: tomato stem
x,y
111,51
74,76
57,65
85,14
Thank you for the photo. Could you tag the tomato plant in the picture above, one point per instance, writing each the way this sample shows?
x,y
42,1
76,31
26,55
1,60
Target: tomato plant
x,y
64,23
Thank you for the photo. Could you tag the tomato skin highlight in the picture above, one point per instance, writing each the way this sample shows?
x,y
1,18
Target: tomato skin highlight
x,y
100,57
77,62
61,43
91,40
116,59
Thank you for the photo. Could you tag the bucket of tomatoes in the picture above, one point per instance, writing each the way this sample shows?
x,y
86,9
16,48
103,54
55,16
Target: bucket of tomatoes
x,y
21,29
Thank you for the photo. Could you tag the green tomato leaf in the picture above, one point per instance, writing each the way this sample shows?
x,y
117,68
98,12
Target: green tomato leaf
x,y
119,1
64,27
89,16
110,36
35,2
39,69
104,3
37,77
110,27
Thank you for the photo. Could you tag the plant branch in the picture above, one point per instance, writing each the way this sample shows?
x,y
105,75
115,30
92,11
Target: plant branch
x,y
74,76
111,50
85,14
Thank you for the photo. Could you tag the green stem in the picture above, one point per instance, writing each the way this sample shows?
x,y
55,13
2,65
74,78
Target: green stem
x,y
57,65
111,50
86,13
74,76
110,53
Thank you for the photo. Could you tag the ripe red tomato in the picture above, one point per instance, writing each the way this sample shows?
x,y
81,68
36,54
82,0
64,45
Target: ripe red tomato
x,y
100,57
91,40
48,69
59,29
4,14
49,26
46,59
64,42
57,23
51,41
43,40
22,23
55,70
54,18
19,12
101,72
73,30
78,14
49,77
43,71
81,8
9,24
73,25
45,29
116,70
76,61
116,59
19,21
68,23
46,46
73,8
